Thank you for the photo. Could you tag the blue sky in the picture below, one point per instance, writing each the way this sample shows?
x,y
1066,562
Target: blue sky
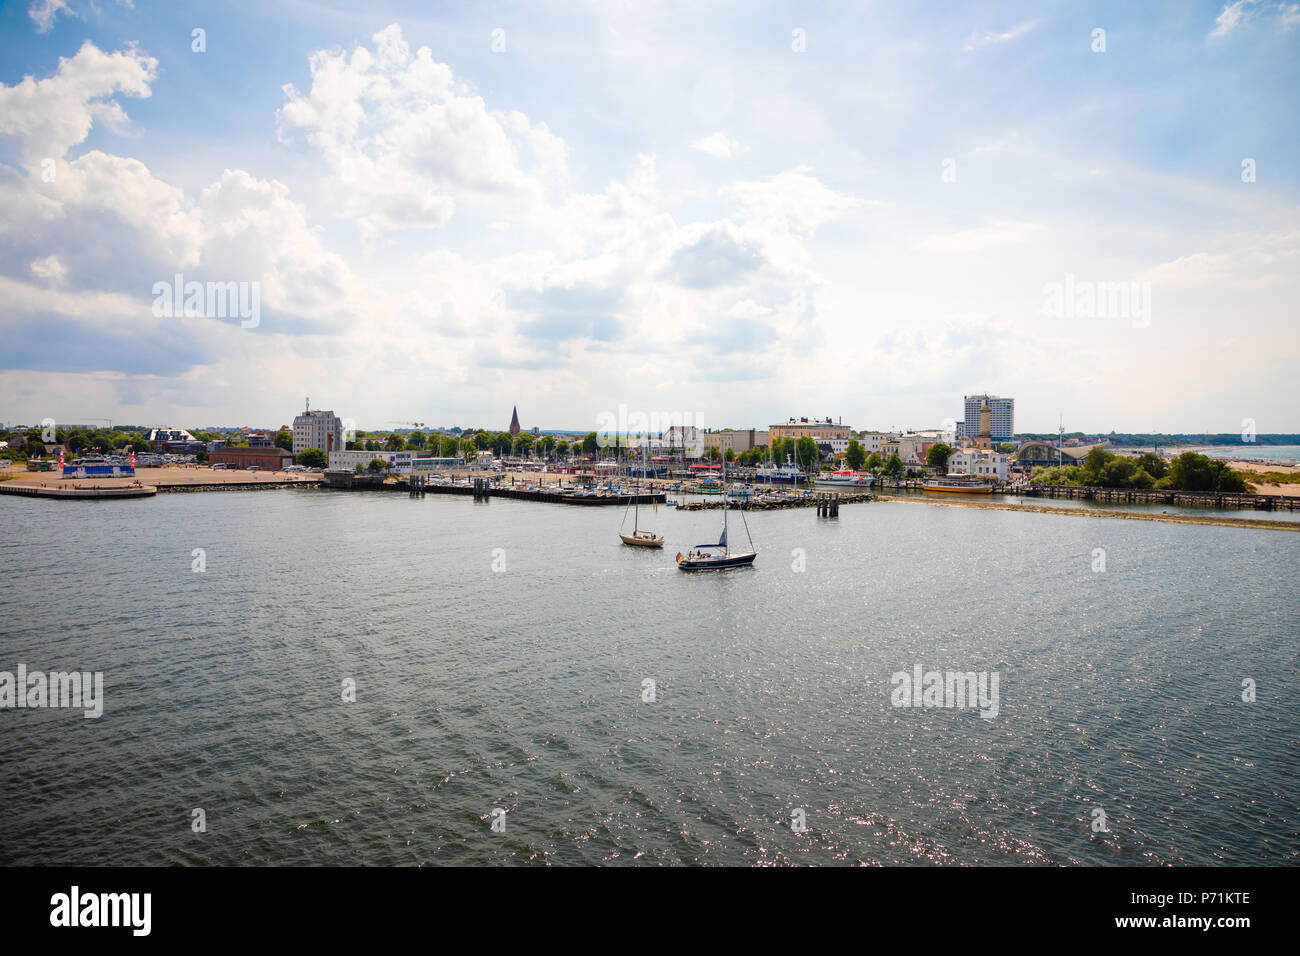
x,y
739,213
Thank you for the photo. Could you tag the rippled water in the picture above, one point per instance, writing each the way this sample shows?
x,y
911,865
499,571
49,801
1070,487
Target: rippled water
x,y
521,689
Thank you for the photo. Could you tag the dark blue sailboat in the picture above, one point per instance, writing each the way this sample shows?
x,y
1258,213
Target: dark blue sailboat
x,y
719,557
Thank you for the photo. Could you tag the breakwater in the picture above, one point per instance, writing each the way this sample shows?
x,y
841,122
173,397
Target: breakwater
x,y
346,482
779,504
235,486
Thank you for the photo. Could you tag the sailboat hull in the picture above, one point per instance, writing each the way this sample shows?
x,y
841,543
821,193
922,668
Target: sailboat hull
x,y
639,542
719,562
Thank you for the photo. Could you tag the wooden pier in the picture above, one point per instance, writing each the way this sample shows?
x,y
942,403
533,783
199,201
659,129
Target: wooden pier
x,y
1152,496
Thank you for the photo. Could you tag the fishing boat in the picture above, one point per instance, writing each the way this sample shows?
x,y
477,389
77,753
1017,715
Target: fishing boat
x,y
719,557
958,485
639,538
845,478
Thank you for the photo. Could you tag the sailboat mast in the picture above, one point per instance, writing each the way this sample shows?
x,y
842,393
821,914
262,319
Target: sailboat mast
x,y
726,506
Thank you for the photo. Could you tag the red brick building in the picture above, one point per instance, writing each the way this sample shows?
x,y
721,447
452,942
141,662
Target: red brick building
x,y
268,458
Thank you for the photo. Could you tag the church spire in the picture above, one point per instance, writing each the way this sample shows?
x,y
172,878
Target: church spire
x,y
514,421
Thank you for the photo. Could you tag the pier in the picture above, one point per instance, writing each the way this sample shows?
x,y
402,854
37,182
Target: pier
x,y
70,493
483,489
1152,496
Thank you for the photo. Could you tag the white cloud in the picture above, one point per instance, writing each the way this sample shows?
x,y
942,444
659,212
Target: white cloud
x,y
49,269
52,115
999,232
406,142
1232,15
43,12
978,41
720,145
1198,267
748,309
793,201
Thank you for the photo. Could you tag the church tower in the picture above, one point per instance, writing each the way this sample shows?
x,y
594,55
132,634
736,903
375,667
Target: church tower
x,y
514,422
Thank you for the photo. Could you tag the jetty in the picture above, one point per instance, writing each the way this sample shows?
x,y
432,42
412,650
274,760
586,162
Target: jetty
x,y
482,489
826,503
1152,496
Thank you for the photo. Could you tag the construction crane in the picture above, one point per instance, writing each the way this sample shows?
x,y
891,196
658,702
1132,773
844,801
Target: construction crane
x,y
412,424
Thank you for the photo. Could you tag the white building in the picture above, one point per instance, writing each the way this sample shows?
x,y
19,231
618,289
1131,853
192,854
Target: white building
x,y
401,462
1002,417
318,429
978,461
871,441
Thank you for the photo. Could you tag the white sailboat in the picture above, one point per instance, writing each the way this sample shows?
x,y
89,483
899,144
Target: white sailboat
x,y
639,538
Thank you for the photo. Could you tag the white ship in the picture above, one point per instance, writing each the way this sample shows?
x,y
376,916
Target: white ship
x,y
845,478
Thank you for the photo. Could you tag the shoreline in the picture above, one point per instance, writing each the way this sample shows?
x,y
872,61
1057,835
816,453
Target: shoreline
x,y
180,481
1260,523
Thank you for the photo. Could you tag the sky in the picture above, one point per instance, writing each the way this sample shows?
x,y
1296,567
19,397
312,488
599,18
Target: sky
x,y
724,214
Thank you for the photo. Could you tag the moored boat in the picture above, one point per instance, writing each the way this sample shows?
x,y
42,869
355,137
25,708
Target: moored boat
x,y
958,485
639,538
719,557
845,478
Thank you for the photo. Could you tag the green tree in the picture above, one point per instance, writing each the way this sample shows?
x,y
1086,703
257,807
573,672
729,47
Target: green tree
x,y
312,458
855,455
712,453
417,440
874,462
562,447
1095,464
938,455
590,444
395,442
1153,465
377,465
806,452
729,454
894,466
285,440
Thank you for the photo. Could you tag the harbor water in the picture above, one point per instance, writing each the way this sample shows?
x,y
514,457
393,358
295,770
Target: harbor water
x,y
366,678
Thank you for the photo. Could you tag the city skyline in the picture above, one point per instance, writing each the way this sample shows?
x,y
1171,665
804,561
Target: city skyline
x,y
772,211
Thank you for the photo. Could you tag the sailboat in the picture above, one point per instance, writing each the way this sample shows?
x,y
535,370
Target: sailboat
x,y
639,538
719,557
